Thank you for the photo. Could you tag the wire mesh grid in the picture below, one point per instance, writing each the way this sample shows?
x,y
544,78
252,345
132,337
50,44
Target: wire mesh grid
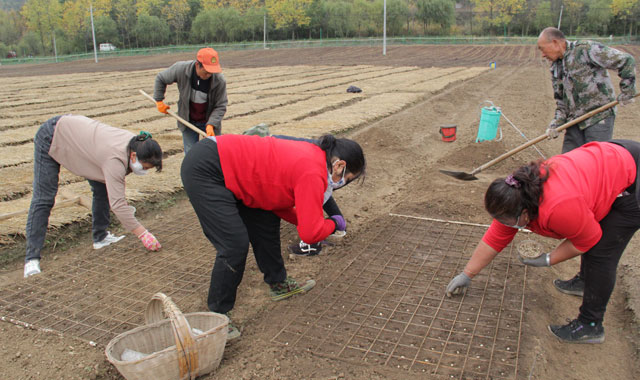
x,y
388,306
70,295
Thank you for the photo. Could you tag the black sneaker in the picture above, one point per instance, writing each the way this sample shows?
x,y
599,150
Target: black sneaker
x,y
304,249
579,332
574,286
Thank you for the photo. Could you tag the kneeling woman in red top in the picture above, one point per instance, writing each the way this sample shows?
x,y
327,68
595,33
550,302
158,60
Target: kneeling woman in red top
x,y
241,186
588,197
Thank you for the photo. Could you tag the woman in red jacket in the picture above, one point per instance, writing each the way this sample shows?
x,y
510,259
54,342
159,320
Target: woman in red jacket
x,y
241,186
589,198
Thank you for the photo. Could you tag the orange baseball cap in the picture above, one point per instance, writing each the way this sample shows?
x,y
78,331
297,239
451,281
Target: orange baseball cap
x,y
209,59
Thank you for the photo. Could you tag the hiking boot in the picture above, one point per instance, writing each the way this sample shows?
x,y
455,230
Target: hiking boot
x,y
574,286
579,332
31,267
109,239
304,249
289,288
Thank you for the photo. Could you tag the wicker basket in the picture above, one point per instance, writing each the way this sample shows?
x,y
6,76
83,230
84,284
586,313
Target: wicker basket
x,y
173,350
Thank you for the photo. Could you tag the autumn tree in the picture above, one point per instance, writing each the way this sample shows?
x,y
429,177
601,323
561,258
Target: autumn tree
x,y
288,14
176,12
42,17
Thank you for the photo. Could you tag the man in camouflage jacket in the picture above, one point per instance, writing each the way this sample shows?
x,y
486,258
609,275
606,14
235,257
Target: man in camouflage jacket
x,y
581,83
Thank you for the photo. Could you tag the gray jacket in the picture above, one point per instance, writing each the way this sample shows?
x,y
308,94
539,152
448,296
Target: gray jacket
x,y
180,72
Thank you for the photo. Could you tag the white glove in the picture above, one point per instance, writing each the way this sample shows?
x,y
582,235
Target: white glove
x,y
552,132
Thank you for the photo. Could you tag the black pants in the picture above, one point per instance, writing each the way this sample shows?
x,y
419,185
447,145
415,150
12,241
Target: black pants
x,y
599,264
230,226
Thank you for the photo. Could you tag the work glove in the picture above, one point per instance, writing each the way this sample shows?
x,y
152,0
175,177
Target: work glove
x,y
458,285
624,99
210,129
543,260
551,132
341,224
150,242
162,107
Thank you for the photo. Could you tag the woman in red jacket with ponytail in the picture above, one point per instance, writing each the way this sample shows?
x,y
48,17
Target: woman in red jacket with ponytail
x,y
241,186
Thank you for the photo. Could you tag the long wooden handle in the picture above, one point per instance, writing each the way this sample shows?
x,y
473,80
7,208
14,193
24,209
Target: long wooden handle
x,y
183,121
544,136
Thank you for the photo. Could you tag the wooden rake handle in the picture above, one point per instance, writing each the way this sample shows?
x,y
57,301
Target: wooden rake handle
x,y
185,341
544,136
183,121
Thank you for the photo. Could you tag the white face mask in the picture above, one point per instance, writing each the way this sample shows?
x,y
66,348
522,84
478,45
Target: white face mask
x,y
136,167
340,183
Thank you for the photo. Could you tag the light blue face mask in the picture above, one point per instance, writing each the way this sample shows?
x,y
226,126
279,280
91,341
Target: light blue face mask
x,y
516,226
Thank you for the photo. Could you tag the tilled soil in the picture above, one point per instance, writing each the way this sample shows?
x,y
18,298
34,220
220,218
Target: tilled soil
x,y
404,152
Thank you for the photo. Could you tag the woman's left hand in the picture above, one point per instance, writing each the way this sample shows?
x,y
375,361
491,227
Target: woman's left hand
x,y
543,260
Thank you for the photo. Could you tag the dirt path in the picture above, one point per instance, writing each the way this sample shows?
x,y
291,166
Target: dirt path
x,y
404,153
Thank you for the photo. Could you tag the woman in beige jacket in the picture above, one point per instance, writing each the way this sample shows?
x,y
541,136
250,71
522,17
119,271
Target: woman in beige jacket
x,y
102,154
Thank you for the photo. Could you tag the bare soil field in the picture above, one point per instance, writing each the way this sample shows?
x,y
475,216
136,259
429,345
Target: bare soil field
x,y
407,96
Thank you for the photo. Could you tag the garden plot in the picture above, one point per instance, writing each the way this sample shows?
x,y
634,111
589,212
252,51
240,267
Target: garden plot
x,y
292,112
138,188
388,306
344,81
97,296
303,101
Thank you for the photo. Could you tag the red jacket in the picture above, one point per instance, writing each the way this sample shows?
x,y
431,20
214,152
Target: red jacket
x,y
284,176
582,186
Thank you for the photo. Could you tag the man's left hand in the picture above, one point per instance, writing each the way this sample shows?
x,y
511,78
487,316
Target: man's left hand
x,y
624,99
543,260
210,130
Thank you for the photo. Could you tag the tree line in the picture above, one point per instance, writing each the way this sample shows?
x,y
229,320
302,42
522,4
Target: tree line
x,y
39,25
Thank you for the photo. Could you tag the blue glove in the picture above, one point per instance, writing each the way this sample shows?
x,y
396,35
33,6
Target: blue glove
x,y
341,224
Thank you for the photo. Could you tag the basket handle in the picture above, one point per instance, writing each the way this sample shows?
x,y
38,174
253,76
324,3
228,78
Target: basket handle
x,y
185,342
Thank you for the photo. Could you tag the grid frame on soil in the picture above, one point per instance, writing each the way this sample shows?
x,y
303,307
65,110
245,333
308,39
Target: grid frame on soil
x,y
387,306
65,299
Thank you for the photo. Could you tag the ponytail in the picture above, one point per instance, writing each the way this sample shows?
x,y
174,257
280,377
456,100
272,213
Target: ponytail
x,y
345,149
507,197
147,149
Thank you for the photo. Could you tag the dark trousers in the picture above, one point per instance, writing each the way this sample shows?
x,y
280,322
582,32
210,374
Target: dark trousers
x,y
575,137
45,187
599,264
230,226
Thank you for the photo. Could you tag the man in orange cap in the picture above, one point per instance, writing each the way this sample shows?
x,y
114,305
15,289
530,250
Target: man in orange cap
x,y
202,94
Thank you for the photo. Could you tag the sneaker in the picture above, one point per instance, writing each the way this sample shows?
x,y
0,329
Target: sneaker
x,y
233,332
579,332
289,288
304,249
574,286
31,267
109,239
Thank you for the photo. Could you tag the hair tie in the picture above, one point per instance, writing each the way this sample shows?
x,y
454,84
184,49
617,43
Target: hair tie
x,y
512,181
143,136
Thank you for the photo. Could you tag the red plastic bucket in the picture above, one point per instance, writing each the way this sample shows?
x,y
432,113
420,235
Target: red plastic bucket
x,y
448,132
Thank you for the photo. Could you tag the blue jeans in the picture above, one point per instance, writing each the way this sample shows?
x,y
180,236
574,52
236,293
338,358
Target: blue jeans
x,y
189,137
45,187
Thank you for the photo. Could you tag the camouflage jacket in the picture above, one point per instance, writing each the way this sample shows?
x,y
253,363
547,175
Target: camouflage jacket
x,y
581,81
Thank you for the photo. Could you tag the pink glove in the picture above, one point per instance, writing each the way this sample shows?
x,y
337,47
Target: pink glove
x,y
150,242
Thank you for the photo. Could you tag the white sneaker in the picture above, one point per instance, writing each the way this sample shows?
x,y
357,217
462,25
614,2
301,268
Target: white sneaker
x,y
109,239
31,267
